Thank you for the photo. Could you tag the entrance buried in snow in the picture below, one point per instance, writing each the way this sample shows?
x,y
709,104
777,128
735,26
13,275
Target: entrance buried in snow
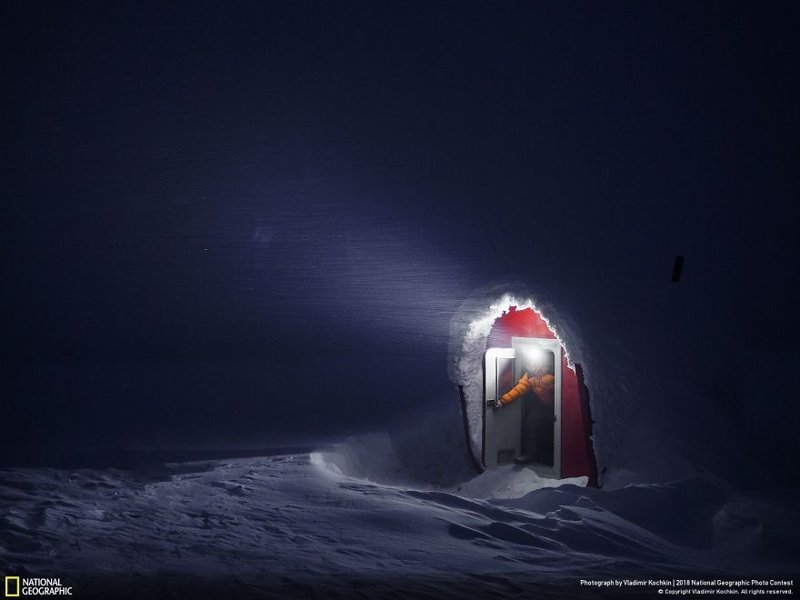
x,y
522,400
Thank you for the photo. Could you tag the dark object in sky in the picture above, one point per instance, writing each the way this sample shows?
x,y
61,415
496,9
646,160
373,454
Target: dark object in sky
x,y
677,267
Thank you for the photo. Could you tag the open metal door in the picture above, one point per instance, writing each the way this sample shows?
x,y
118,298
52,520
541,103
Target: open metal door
x,y
529,429
502,434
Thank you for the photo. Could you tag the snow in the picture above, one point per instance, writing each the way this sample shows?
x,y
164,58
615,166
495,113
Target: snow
x,y
401,513
290,524
673,391
512,482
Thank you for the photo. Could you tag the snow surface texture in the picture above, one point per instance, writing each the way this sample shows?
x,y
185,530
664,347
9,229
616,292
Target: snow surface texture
x,y
401,513
292,526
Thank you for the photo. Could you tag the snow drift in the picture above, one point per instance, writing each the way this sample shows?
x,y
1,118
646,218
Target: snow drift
x,y
287,525
401,512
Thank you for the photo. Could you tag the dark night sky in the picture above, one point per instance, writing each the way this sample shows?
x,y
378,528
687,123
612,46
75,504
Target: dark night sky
x,y
238,188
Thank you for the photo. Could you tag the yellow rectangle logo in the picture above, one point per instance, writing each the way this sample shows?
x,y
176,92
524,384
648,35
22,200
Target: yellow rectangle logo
x,y
9,581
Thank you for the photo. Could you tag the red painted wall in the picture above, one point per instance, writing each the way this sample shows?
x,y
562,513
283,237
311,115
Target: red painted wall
x,y
577,455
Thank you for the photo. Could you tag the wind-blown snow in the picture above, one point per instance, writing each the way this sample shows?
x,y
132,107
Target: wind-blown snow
x,y
401,513
288,526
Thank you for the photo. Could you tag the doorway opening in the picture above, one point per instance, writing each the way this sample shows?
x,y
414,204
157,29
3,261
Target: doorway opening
x,y
523,400
522,405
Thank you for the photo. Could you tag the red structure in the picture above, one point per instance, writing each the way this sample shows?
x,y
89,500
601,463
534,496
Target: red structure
x,y
577,454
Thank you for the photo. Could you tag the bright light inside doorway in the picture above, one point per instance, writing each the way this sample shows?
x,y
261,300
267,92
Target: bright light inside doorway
x,y
534,356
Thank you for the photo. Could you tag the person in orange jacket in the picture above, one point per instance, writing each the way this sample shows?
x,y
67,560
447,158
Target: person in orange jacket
x,y
538,415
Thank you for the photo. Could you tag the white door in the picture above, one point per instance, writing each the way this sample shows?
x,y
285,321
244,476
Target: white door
x,y
502,439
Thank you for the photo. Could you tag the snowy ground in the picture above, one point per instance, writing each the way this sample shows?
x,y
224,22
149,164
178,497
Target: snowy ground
x,y
401,513
300,526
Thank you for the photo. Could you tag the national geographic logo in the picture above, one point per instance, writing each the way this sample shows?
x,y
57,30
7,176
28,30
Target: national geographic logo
x,y
16,586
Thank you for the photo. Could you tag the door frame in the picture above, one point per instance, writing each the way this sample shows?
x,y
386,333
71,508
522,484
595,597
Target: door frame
x,y
514,410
